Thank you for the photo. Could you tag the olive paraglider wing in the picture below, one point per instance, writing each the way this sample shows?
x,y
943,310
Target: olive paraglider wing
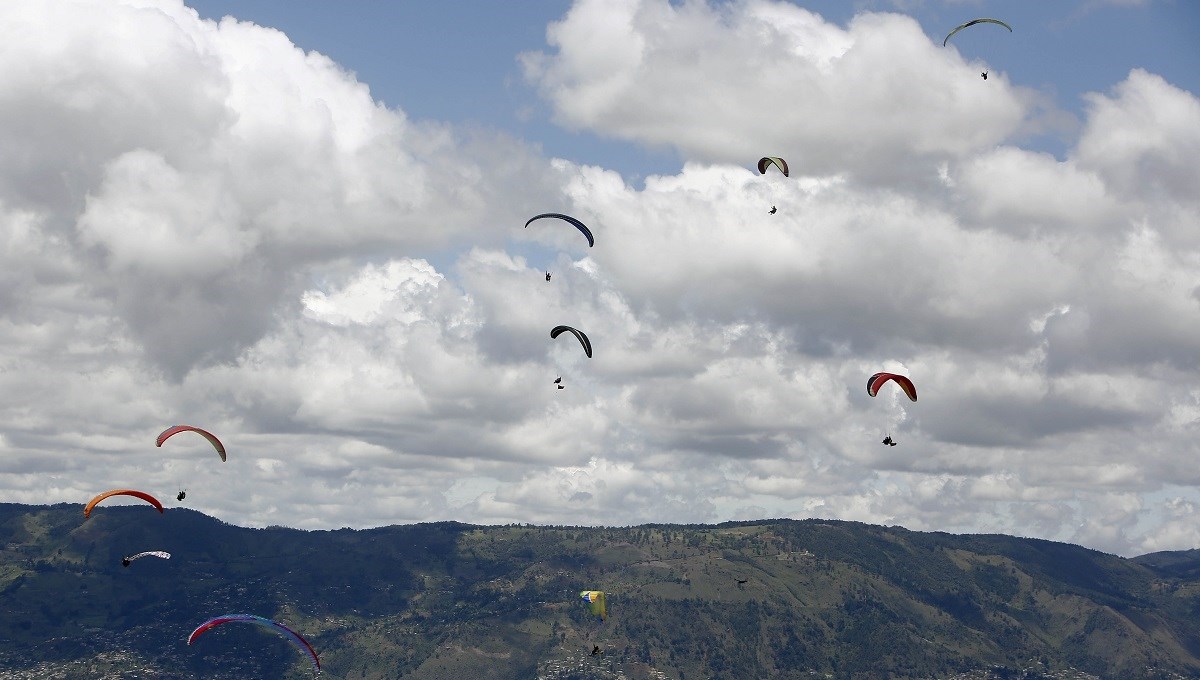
x,y
576,223
767,161
972,22
275,626
212,439
583,339
87,509
595,602
876,381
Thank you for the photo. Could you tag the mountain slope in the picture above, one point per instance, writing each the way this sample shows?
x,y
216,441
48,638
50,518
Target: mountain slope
x,y
448,600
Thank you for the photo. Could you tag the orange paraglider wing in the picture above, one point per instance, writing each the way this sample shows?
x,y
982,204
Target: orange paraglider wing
x,y
87,509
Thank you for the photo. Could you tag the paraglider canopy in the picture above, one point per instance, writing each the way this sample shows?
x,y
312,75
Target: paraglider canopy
x,y
570,220
767,161
972,22
595,602
149,553
290,634
87,509
877,381
212,439
583,339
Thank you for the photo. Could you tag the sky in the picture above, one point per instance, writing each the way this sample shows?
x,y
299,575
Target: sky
x,y
301,227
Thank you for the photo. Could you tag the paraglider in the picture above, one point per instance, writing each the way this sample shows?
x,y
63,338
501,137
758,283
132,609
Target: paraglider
x,y
172,431
877,381
290,634
972,23
181,495
583,339
595,601
571,220
125,561
984,75
87,509
767,161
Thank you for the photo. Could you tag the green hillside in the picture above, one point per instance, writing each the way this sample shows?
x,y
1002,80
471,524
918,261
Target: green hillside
x,y
820,599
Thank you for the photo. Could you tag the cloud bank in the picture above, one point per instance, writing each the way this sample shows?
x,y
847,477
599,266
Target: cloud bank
x,y
348,297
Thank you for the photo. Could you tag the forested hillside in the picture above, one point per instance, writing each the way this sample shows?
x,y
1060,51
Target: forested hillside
x,y
765,599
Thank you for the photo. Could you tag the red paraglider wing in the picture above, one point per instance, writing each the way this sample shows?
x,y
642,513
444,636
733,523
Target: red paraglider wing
x,y
87,509
212,439
290,634
876,381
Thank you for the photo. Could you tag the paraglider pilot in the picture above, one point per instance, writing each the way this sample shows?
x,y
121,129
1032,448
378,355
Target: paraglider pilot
x,y
595,650
181,495
547,276
984,74
772,210
888,440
